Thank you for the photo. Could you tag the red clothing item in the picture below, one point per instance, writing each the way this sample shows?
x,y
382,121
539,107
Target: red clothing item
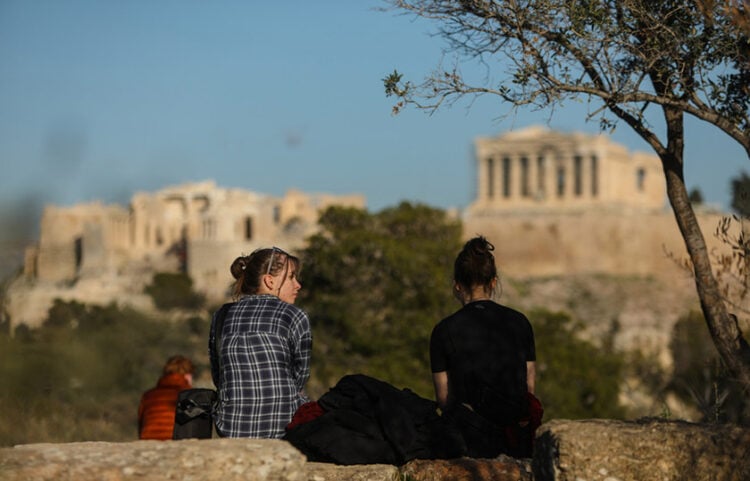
x,y
305,413
157,408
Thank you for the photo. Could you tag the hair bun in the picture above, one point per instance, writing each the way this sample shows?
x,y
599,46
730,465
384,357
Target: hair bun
x,y
480,246
238,267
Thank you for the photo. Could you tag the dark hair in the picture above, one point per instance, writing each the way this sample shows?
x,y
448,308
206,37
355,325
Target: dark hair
x,y
475,264
248,270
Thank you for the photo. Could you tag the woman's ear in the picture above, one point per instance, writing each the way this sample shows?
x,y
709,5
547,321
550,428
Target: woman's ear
x,y
457,292
268,282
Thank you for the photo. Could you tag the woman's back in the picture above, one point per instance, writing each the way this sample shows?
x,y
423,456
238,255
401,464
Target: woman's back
x,y
264,344
486,346
263,360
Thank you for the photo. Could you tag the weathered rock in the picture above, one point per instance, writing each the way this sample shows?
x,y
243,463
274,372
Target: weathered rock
x,y
359,472
606,450
188,460
502,468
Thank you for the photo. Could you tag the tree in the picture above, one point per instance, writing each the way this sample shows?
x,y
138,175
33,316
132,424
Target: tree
x,y
171,290
698,375
375,285
633,61
575,388
80,375
695,196
741,194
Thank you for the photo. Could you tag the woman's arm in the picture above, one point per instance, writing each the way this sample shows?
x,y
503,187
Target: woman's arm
x,y
440,380
531,376
301,351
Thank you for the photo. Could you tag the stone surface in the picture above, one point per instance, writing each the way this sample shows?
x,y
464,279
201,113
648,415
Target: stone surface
x,y
360,472
467,469
606,450
188,460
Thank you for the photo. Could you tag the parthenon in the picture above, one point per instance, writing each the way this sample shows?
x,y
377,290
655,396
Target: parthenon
x,y
536,168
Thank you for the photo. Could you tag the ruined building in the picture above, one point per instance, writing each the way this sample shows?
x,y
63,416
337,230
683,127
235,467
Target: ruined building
x,y
571,203
194,228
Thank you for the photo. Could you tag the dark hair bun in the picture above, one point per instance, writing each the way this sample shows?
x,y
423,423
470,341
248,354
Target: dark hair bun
x,y
479,246
238,267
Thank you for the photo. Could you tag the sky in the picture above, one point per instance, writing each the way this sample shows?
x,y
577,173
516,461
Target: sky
x,y
103,98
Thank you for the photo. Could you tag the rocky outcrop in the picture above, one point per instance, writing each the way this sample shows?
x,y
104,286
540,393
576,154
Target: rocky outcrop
x,y
359,472
468,469
189,460
606,450
591,450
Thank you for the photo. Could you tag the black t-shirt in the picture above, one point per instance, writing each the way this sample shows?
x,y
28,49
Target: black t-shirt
x,y
484,347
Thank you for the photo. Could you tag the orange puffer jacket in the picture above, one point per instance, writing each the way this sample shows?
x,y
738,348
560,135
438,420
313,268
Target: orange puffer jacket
x,y
157,408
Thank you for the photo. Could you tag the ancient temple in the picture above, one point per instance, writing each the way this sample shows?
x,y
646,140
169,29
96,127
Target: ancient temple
x,y
540,169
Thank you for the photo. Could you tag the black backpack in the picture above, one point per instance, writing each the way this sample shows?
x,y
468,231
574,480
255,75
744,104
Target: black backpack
x,y
193,417
194,413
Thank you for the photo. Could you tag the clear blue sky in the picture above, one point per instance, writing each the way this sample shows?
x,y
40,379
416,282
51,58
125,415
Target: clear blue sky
x,y
101,98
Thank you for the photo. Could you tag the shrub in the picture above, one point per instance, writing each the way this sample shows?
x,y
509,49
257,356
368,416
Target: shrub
x,y
174,290
700,378
82,381
575,378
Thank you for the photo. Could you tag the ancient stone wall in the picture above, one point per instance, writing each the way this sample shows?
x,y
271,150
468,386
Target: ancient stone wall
x,y
608,241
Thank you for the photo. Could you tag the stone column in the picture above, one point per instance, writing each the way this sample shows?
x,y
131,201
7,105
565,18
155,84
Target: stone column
x,y
524,177
517,176
569,179
586,177
482,180
596,175
558,165
491,179
533,177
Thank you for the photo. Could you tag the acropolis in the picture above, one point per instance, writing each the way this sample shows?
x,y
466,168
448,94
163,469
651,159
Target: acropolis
x,y
553,203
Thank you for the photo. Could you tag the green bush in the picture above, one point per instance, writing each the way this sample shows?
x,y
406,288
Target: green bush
x,y
80,376
174,290
374,286
699,376
575,379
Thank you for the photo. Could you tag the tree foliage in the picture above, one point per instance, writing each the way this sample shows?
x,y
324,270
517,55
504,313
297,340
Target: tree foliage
x,y
174,290
576,379
374,286
80,376
632,61
741,194
696,197
622,55
700,378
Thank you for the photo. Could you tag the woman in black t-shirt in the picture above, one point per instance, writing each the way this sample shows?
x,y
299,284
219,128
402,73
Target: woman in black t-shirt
x,y
483,361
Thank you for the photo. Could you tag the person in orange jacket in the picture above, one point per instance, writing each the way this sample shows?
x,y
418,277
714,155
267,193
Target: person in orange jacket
x,y
157,408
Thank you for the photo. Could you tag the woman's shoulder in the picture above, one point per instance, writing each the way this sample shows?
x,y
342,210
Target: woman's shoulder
x,y
509,310
451,319
512,314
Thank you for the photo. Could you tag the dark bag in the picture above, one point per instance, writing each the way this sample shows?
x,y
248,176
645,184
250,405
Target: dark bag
x,y
193,417
194,413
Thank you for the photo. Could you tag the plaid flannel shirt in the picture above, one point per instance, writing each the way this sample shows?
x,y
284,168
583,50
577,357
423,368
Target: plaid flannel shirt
x,y
265,354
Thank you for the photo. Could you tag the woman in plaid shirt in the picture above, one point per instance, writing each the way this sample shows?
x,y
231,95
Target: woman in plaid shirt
x,y
265,348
